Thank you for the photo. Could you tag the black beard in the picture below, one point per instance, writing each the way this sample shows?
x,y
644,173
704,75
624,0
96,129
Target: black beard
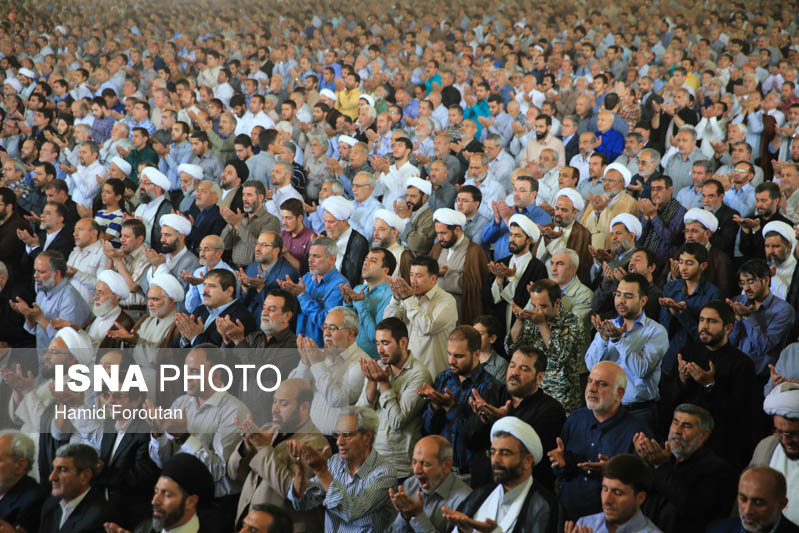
x,y
539,136
145,198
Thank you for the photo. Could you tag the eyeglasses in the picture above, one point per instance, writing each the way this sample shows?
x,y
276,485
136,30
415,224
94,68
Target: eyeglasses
x,y
789,435
331,327
346,436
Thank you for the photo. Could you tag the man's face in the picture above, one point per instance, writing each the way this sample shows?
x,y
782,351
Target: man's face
x,y
613,182
280,176
83,233
561,270
421,280
285,409
755,289
765,205
87,157
759,506
429,471
564,212
518,241
461,361
661,194
206,197
506,459
213,294
169,240
157,302
334,227
319,261
690,268
11,469
289,221
788,433
353,445
601,393
685,436
541,128
620,502
712,331
696,232
777,250
66,480
594,167
621,239
711,199
229,177
389,349
604,121
685,142
446,236
628,300
169,504
522,379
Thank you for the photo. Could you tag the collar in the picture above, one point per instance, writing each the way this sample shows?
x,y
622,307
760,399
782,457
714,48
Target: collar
x,y
619,320
73,503
511,496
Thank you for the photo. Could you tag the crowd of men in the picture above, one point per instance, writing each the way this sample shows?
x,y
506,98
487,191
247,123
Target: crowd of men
x,y
517,271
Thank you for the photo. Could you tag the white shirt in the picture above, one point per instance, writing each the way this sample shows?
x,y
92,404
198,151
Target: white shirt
x,y
147,213
68,508
88,262
790,469
279,196
83,186
392,184
224,92
781,282
247,122
504,507
99,328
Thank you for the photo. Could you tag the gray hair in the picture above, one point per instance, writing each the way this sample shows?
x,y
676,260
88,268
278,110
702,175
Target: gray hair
x,y
495,138
366,418
215,188
84,456
704,418
704,163
689,129
291,146
574,259
336,187
370,178
571,118
124,126
350,318
3,269
22,446
740,125
289,167
329,244
654,154
321,139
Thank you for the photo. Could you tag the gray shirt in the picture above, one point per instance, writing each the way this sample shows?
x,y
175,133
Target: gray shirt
x,y
450,493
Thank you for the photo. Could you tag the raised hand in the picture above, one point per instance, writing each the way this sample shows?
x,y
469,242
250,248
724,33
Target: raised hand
x,y
557,457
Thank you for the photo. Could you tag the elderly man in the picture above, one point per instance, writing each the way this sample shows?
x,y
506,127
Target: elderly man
x,y
781,450
243,228
83,183
611,265
261,462
206,220
334,371
351,246
604,208
516,498
692,485
351,501
107,316
592,434
433,485
477,176
174,257
153,205
575,297
22,496
463,268
87,259
566,232
189,177
387,229
419,233
210,257
661,219
679,166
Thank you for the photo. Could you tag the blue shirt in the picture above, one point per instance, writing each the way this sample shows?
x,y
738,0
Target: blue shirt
x,y
194,296
683,327
612,144
428,85
319,297
585,438
762,334
637,524
689,197
497,233
639,352
178,154
62,301
479,109
742,200
370,312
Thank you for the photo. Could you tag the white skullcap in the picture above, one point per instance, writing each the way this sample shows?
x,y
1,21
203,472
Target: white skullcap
x,y
783,401
157,177
706,218
121,164
782,228
339,207
423,185
621,169
78,345
368,98
195,171
115,282
170,285
346,139
14,83
176,222
529,227
391,219
328,93
62,29
522,431
630,222
28,73
450,217
575,197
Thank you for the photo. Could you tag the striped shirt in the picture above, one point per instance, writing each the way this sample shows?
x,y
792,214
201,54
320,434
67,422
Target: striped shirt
x,y
357,503
110,223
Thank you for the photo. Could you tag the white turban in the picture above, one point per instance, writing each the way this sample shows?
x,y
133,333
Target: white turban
x,y
630,222
783,401
391,219
195,171
170,285
575,197
706,218
529,227
115,282
157,177
28,73
423,185
368,98
121,164
783,229
327,92
346,139
78,345
621,169
13,82
522,431
339,207
450,217
176,222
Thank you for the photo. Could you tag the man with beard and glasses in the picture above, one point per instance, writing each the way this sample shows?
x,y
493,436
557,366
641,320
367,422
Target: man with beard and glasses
x,y
189,176
334,370
767,209
462,264
351,246
184,488
780,241
262,275
174,257
433,485
206,220
243,228
592,435
419,233
763,321
626,479
515,501
661,219
780,451
637,343
691,484
521,397
153,205
370,299
106,313
387,229
714,374
210,252
762,498
612,265
261,462
566,232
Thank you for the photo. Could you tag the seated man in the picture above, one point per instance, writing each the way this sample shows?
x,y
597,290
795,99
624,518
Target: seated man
x,y
433,485
208,220
515,450
173,257
209,252
262,275
661,219
626,479
351,246
692,485
762,498
106,313
22,496
355,501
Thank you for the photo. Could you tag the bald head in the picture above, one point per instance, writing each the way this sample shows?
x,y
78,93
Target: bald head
x,y
210,252
761,498
291,404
